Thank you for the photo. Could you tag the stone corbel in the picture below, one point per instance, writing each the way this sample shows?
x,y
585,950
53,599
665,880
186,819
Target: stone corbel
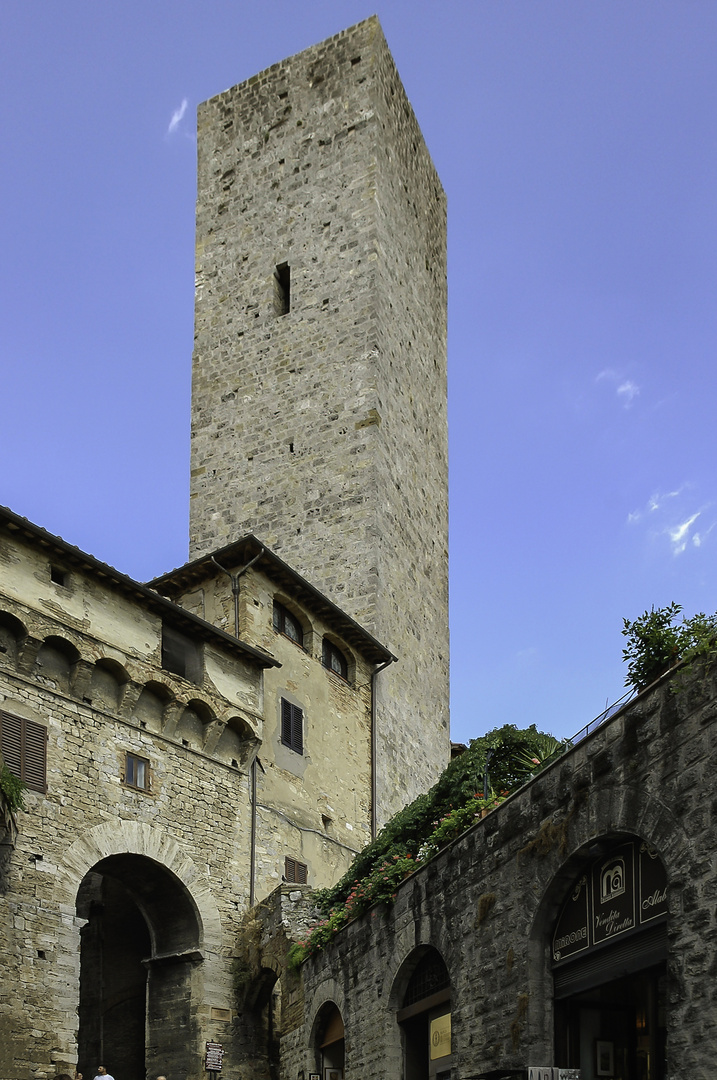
x,y
27,654
81,680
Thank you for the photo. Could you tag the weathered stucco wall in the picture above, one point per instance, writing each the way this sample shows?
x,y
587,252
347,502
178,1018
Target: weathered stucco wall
x,y
489,902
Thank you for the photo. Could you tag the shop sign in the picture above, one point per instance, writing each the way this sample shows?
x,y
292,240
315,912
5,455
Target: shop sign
x,y
620,892
572,933
653,885
545,1072
614,894
440,1036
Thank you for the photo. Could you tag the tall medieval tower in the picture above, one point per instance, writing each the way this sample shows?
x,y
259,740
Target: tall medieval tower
x,y
319,383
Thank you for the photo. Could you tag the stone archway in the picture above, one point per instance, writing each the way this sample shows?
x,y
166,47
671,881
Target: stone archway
x,y
148,941
139,951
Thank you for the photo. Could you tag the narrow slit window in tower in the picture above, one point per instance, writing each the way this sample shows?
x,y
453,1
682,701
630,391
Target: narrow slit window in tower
x,y
282,289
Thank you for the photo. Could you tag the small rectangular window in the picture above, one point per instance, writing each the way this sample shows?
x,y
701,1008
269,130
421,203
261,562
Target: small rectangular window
x,y
292,726
295,871
58,575
282,289
182,655
136,772
23,744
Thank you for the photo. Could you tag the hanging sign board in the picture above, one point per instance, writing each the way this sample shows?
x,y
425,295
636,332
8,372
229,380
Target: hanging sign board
x,y
213,1057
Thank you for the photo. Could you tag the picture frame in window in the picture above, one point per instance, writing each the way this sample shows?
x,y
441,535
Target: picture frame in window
x,y
604,1058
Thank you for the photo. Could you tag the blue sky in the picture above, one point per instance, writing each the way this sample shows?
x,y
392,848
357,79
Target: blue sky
x,y
578,148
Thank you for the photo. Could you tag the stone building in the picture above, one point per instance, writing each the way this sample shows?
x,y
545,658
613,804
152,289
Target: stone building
x,y
176,774
572,927
321,309
189,745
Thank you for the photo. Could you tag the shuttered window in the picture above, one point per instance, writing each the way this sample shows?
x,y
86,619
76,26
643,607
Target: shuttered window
x,y
292,726
295,871
24,749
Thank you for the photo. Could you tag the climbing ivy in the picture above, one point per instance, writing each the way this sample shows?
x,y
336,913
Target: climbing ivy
x,y
509,755
12,790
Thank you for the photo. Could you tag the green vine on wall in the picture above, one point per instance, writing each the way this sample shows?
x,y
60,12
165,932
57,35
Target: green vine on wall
x,y
414,835
12,790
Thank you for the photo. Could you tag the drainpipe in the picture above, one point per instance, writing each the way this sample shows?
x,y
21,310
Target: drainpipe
x,y
234,578
374,673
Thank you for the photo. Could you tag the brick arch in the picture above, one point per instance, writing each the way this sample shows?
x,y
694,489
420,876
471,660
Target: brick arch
x,y
136,838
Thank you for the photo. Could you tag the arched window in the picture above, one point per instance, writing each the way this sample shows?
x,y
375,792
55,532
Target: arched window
x,y
426,1020
609,949
333,659
287,624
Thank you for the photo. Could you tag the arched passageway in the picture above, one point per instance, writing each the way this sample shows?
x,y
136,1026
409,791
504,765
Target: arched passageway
x,y
609,950
329,1042
138,962
425,1017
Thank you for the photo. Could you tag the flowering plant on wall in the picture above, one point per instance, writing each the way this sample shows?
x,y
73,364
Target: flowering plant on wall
x,y
381,883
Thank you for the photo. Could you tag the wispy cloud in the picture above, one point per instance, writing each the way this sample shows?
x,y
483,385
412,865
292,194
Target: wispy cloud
x,y
177,117
669,517
654,503
625,389
680,534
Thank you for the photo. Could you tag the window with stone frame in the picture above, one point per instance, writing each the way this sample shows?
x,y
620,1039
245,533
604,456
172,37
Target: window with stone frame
x,y
292,726
333,659
24,749
287,624
136,772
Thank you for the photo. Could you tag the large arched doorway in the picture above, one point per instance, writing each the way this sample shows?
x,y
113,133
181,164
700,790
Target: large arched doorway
x,y
609,953
425,1018
138,957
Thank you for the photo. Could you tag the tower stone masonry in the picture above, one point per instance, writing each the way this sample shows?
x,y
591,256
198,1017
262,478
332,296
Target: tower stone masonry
x,y
319,379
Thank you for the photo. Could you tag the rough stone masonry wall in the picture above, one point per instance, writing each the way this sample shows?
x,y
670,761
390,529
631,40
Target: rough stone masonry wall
x,y
490,900
194,824
323,430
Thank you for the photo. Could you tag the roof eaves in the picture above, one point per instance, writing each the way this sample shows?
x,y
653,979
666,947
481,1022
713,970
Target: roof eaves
x,y
144,593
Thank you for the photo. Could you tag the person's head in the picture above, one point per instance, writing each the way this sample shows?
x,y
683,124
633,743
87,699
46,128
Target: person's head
x,y
101,1070
161,1078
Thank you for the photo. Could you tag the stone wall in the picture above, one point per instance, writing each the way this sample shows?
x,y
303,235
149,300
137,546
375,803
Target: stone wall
x,y
323,430
82,661
314,806
489,901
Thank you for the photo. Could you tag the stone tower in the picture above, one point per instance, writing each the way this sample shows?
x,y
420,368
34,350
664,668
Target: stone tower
x,y
319,380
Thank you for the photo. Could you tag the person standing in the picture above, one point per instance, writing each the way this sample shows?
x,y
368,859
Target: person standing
x,y
102,1074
